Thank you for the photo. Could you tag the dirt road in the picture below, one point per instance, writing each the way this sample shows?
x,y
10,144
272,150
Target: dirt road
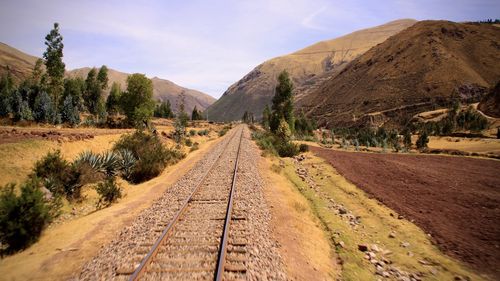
x,y
455,199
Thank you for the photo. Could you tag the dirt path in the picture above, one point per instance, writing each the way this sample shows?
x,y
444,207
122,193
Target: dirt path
x,y
454,199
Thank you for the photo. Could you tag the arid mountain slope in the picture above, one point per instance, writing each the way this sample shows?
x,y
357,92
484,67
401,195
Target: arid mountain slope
x,y
419,68
19,64
305,66
162,89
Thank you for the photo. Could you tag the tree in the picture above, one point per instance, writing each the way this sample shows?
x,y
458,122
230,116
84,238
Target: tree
x,y
54,64
6,91
266,115
70,113
137,102
164,110
196,115
423,140
20,107
407,139
102,77
180,121
44,110
113,100
74,87
282,103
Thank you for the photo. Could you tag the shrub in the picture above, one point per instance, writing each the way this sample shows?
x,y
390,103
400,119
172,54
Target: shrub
x,y
152,157
189,142
109,191
192,132
203,132
287,149
23,217
303,147
265,141
59,176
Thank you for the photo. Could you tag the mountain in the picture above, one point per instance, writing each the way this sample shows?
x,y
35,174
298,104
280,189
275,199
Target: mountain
x,y
420,68
306,67
21,65
162,89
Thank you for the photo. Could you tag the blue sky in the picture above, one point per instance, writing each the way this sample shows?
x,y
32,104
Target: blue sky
x,y
205,45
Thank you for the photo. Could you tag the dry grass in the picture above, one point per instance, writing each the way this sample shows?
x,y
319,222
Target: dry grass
x,y
303,243
77,240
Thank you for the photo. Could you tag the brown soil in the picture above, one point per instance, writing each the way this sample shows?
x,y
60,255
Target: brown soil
x,y
454,199
17,134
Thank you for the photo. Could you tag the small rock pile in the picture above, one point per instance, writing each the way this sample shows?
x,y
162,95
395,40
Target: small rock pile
x,y
384,266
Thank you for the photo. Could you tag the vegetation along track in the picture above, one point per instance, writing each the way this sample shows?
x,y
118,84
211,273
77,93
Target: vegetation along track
x,y
194,244
194,241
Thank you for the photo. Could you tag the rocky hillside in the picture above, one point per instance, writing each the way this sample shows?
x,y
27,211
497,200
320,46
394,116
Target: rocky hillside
x,y
306,68
420,68
21,65
162,89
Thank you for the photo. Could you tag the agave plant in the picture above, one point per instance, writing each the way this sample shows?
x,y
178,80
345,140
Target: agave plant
x,y
109,163
127,162
88,157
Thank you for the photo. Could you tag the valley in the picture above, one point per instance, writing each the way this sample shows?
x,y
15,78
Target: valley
x,y
368,150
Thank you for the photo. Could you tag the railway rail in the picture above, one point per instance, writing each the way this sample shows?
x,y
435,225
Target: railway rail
x,y
206,238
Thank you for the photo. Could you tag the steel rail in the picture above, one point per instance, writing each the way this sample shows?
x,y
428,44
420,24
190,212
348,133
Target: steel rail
x,y
225,234
147,259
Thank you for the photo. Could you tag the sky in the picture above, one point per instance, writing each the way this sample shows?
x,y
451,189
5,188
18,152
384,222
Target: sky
x,y
205,45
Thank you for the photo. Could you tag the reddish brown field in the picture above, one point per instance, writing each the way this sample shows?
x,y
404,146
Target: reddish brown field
x,y
455,199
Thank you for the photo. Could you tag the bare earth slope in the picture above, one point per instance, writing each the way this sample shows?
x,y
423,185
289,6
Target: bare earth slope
x,y
19,63
162,89
417,68
305,66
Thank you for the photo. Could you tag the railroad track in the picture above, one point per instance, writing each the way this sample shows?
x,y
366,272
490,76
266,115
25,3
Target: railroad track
x,y
206,239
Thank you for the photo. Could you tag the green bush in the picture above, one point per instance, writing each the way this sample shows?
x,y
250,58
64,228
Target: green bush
x,y
109,191
203,132
59,176
265,141
192,132
23,217
189,142
152,157
287,149
303,148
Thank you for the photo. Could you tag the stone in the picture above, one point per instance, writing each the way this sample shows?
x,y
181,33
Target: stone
x,y
374,261
392,234
405,244
362,247
342,211
341,244
386,274
374,248
410,254
372,255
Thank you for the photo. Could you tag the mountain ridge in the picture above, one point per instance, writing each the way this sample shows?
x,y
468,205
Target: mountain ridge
x,y
255,89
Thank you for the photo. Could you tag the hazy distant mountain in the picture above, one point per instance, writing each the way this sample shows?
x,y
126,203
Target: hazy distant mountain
x,y
306,67
21,65
420,68
162,89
